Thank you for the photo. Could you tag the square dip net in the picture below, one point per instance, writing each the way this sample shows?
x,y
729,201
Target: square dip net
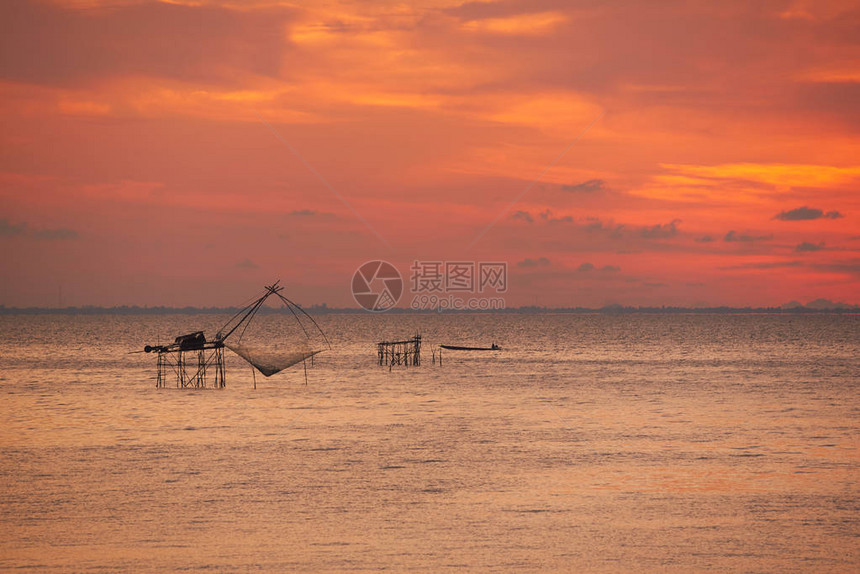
x,y
273,339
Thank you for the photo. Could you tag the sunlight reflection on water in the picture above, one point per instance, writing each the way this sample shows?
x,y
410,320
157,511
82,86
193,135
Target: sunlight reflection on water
x,y
599,443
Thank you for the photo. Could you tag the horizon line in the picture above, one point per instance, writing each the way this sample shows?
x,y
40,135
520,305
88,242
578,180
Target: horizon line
x,y
323,309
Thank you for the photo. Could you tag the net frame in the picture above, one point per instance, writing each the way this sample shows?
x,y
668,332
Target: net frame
x,y
268,361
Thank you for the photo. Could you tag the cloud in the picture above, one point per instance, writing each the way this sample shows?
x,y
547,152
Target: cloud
x,y
522,216
22,229
611,268
535,24
806,214
807,246
661,231
528,262
309,213
10,230
585,268
780,175
451,108
828,304
44,43
247,264
594,225
847,267
61,233
735,237
548,217
764,265
835,98
589,186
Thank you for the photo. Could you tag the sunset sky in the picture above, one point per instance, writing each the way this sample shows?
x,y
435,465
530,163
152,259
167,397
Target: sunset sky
x,y
185,153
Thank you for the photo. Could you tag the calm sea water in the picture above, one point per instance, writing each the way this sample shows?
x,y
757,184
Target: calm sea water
x,y
590,443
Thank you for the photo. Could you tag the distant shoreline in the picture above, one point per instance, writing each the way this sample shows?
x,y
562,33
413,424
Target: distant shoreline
x,y
324,310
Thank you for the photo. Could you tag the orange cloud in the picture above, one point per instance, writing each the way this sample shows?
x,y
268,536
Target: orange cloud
x,y
524,24
781,175
140,122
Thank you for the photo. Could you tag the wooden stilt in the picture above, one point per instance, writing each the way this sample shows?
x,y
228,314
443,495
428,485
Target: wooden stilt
x,y
186,376
406,353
